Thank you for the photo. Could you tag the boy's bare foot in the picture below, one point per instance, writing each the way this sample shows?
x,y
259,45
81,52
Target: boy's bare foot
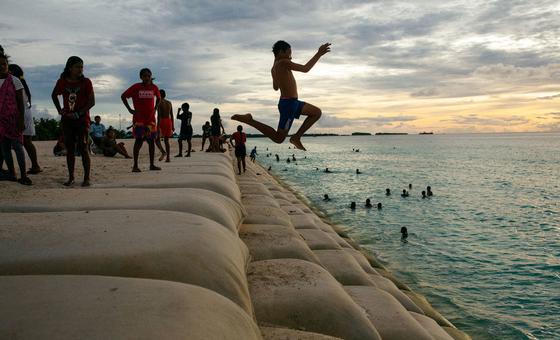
x,y
153,167
86,183
179,155
68,183
25,181
297,143
135,169
167,160
162,157
246,118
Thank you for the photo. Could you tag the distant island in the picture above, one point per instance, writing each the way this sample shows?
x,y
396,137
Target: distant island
x,y
390,133
361,134
426,133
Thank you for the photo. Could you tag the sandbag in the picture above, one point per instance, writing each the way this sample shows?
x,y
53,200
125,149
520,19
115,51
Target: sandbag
x,y
201,202
427,308
388,316
361,259
431,326
198,168
254,188
317,239
256,199
388,275
160,180
343,267
292,210
266,215
305,221
302,295
100,307
179,247
341,242
276,333
267,242
388,286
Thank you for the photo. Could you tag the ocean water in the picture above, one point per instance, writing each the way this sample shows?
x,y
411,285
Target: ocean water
x,y
485,249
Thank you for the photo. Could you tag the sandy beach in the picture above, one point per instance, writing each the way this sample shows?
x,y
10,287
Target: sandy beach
x,y
198,235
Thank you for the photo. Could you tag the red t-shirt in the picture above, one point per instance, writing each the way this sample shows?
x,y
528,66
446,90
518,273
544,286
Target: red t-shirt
x,y
143,101
75,95
239,137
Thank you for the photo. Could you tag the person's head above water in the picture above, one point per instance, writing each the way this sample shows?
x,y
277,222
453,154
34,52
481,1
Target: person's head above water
x,y
404,232
387,191
423,194
326,197
379,205
282,49
429,188
353,205
368,202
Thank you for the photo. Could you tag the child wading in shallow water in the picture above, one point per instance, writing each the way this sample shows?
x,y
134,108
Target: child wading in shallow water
x,y
289,106
143,115
12,110
78,98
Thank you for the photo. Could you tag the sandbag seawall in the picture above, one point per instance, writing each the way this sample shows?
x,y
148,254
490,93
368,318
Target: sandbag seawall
x,y
151,255
309,275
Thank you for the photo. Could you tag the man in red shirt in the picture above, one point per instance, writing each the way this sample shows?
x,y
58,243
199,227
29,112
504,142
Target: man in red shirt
x,y
143,115
238,140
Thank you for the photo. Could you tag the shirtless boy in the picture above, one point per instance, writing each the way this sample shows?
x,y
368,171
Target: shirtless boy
x,y
289,106
165,122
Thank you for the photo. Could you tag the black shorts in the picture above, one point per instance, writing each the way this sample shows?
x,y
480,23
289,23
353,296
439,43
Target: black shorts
x,y
240,151
75,131
186,133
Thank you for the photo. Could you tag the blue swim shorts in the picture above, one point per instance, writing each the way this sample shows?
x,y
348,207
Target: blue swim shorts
x,y
290,109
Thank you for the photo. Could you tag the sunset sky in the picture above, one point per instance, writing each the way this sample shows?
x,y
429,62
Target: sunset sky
x,y
395,66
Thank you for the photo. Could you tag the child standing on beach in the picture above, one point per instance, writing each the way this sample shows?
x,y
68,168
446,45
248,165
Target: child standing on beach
x,y
186,129
238,140
12,109
166,125
78,98
289,106
143,115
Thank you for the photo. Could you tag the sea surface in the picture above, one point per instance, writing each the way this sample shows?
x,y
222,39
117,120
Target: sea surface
x,y
485,249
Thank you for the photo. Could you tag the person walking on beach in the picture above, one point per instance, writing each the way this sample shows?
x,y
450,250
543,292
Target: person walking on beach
x,y
12,112
217,130
166,125
238,139
143,115
186,129
29,131
289,106
254,154
206,133
78,98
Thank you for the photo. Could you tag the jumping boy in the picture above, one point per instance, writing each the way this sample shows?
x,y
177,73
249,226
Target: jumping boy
x,y
289,106
143,115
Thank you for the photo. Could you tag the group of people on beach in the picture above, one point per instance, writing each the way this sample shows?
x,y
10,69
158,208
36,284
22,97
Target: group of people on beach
x,y
78,98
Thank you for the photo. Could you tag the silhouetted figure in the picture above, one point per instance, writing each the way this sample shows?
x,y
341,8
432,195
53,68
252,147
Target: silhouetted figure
x,y
424,194
293,158
358,171
410,186
326,198
357,150
368,203
379,206
353,205
404,193
277,158
269,167
327,171
288,160
316,169
387,192
429,191
404,233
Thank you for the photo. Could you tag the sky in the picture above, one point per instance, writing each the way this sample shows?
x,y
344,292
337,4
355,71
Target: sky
x,y
395,66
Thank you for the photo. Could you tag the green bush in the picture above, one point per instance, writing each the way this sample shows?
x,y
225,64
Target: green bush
x,y
46,129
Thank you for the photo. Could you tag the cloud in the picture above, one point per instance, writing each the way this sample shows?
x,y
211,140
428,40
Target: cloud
x,y
549,97
474,119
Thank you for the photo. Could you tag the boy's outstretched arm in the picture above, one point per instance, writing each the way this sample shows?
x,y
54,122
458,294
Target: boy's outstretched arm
x,y
324,49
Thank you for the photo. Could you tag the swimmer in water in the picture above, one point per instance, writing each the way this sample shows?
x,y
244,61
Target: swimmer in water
x,y
353,205
326,198
429,191
404,193
404,233
277,158
293,158
424,194
379,206
387,192
358,171
269,167
287,160
368,203
410,186
327,170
